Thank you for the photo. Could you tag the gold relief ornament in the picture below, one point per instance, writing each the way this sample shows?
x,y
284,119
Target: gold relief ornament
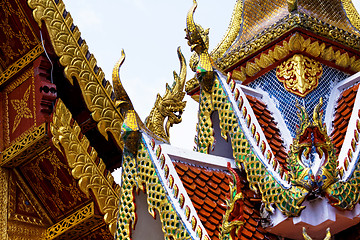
x,y
170,106
85,164
21,108
299,74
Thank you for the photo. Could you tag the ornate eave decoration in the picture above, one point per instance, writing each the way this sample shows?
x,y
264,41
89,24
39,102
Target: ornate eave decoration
x,y
291,22
79,64
294,44
85,164
299,74
279,187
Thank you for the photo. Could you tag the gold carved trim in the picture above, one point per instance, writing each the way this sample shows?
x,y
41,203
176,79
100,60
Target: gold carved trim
x,y
71,221
21,63
4,187
25,148
351,13
85,165
296,43
294,20
299,74
79,64
11,87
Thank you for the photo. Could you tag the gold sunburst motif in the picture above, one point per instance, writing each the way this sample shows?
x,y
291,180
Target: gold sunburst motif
x,y
299,74
21,108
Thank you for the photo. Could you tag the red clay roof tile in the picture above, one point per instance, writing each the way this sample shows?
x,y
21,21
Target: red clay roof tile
x,y
209,201
342,114
270,129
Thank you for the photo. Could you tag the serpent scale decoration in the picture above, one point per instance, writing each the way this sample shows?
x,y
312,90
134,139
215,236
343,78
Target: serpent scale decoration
x,y
80,64
139,173
82,159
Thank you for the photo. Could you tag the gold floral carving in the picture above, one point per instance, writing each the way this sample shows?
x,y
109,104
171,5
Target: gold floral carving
x,y
4,180
351,13
80,65
85,165
25,148
21,108
28,74
71,221
299,74
312,24
21,63
297,43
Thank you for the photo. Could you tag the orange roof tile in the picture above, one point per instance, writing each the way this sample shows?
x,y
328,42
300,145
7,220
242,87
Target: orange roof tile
x,y
270,129
343,112
209,191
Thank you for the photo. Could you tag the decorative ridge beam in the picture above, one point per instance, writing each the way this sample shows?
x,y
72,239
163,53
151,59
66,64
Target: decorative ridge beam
x,y
231,33
85,164
176,192
252,130
292,21
80,64
351,13
21,63
261,177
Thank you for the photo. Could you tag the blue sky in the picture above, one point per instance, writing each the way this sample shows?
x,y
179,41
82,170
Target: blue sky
x,y
150,32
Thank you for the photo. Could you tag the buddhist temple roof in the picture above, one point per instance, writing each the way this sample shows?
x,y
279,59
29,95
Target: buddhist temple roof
x,y
258,18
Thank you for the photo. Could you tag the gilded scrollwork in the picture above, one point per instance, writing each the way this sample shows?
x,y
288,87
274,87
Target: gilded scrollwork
x,y
83,161
25,147
299,74
20,64
294,44
79,65
77,218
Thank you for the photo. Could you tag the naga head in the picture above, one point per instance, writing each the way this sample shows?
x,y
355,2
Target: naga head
x,y
169,107
197,36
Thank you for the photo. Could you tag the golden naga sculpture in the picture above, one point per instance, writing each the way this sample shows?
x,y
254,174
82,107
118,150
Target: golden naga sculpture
x,y
122,100
299,74
233,218
198,41
307,237
170,106
308,135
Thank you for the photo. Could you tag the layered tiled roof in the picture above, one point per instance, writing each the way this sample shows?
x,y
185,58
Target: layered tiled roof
x,y
270,129
343,112
209,189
